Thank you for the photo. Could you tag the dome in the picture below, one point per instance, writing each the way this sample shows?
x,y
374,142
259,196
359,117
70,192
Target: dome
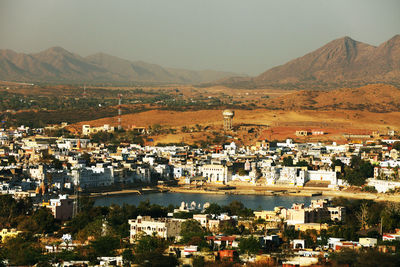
x,y
228,113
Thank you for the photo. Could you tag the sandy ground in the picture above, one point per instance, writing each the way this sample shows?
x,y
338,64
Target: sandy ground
x,y
282,124
307,118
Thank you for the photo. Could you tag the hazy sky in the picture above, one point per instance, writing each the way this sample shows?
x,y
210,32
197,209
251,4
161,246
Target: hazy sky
x,y
245,36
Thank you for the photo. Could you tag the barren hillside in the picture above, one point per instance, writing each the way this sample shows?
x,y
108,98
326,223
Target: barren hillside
x,y
373,97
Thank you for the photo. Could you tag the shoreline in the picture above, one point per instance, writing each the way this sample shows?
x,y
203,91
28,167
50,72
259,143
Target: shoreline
x,y
254,190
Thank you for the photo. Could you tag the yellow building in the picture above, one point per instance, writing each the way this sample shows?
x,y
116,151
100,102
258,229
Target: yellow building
x,y
311,226
88,130
271,215
8,233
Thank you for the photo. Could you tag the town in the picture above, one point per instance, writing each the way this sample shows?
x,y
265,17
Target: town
x,y
199,133
49,184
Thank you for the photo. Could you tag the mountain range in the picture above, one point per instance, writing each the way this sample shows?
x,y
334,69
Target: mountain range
x,y
340,61
59,65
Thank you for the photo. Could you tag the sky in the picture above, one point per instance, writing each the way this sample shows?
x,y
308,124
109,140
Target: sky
x,y
243,36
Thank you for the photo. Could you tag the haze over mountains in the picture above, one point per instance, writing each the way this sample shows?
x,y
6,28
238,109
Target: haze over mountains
x,y
59,65
340,61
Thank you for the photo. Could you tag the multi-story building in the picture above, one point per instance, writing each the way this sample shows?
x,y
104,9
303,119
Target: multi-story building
x,y
87,129
163,227
337,213
93,176
296,176
202,219
284,175
61,207
216,173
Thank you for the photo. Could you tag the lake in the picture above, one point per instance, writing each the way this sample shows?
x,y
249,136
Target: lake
x,y
255,202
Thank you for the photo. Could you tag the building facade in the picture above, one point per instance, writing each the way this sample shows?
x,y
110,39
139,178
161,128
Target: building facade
x,y
164,227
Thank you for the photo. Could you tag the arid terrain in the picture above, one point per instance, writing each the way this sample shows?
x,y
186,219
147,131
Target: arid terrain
x,y
191,114
273,124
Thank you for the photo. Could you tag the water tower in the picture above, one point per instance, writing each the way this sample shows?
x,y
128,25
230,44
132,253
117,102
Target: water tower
x,y
228,116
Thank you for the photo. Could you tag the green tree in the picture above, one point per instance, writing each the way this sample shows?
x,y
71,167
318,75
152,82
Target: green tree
x,y
146,244
12,211
337,162
238,208
198,261
390,216
11,160
228,227
250,245
57,164
344,257
358,171
290,233
23,250
149,251
288,161
191,231
127,257
303,163
214,209
105,246
45,221
368,258
396,145
91,229
242,172
86,157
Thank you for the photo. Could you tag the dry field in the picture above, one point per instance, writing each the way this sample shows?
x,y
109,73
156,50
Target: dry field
x,y
282,124
333,112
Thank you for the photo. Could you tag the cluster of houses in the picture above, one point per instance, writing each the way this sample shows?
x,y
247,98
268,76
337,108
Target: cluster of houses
x,y
267,227
32,163
316,217
49,168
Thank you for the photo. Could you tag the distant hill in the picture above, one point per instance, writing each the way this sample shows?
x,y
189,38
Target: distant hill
x,y
59,65
341,62
372,97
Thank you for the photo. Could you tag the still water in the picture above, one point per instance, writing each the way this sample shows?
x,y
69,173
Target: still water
x,y
250,201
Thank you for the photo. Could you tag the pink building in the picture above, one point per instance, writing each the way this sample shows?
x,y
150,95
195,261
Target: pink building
x,y
61,208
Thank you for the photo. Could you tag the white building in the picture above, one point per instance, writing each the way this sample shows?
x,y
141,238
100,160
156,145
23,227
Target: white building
x,y
38,173
216,173
368,242
163,227
322,175
289,143
142,174
93,176
382,186
202,219
295,176
87,129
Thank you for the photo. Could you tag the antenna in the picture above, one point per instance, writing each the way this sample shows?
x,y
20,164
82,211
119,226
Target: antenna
x,y
75,210
84,90
119,111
